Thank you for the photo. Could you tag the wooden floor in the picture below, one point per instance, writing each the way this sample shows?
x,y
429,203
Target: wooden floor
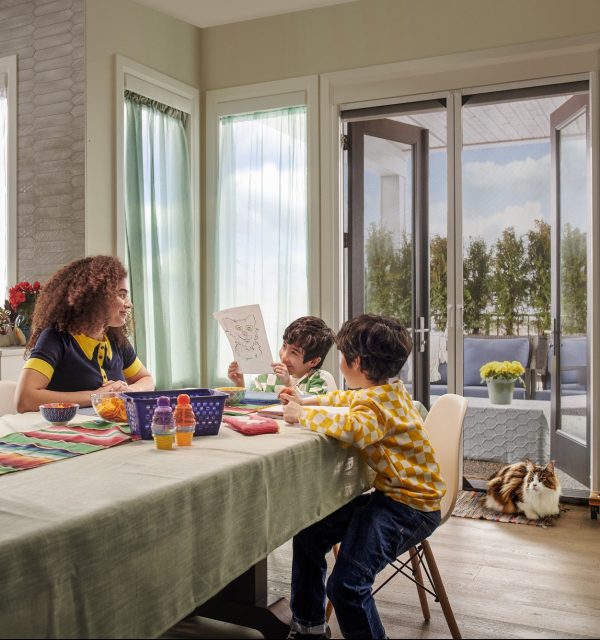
x,y
503,581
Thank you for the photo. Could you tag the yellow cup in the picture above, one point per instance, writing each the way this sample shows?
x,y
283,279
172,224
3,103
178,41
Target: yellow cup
x,y
184,438
164,441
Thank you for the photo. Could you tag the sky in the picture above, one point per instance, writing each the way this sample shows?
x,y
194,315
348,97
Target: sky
x,y
503,186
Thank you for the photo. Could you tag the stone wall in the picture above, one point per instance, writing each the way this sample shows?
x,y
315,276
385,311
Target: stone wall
x,y
48,38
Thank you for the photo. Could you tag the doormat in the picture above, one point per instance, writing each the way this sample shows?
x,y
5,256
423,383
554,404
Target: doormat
x,y
471,504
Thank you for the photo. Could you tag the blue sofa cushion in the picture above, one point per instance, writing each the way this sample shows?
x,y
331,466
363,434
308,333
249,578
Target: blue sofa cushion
x,y
478,351
573,353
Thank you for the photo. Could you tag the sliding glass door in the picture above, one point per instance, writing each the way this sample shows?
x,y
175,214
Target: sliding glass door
x,y
387,240
493,191
570,434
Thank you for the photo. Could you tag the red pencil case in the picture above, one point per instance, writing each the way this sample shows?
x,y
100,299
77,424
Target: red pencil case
x,y
251,425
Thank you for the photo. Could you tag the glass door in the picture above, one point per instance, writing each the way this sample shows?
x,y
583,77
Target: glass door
x,y
387,268
569,372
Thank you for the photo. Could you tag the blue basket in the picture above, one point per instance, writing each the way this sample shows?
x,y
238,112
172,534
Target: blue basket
x,y
207,404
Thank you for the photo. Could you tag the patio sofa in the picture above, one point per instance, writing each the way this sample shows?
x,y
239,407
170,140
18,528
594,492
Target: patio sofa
x,y
477,351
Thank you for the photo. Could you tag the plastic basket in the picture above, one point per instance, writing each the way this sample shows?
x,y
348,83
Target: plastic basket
x,y
207,404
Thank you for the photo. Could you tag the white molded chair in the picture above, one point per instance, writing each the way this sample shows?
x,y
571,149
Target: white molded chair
x,y
7,397
444,424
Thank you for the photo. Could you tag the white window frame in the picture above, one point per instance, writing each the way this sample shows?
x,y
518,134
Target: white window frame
x,y
538,63
8,66
302,91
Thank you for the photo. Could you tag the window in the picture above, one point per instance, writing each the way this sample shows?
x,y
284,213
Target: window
x,y
7,172
159,225
262,219
263,226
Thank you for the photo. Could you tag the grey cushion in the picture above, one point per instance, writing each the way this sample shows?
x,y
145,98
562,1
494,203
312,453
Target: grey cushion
x,y
478,351
573,353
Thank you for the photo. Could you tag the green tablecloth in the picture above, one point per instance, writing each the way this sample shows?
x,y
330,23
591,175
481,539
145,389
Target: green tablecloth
x,y
126,542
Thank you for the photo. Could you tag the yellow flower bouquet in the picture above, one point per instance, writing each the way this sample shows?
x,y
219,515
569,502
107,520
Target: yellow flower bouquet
x,y
505,370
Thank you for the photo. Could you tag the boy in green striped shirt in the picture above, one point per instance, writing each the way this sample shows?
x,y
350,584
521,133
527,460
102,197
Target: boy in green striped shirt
x,y
306,342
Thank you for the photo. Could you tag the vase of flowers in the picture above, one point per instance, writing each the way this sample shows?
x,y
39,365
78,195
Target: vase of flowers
x,y
21,299
501,378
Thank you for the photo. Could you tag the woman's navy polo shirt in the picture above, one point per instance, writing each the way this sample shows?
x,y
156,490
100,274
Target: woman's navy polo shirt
x,y
80,363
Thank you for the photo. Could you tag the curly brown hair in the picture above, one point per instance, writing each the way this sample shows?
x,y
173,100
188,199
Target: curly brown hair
x,y
382,342
78,296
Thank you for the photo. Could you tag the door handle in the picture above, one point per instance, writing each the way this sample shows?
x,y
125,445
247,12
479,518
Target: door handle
x,y
555,333
421,331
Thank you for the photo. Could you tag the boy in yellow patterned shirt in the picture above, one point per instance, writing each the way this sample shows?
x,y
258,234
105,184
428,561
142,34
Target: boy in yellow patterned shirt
x,y
373,528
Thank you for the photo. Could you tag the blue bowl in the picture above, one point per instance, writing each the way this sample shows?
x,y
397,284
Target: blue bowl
x,y
58,413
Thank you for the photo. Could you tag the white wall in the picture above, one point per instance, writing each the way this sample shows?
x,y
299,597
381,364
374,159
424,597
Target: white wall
x,y
372,32
145,36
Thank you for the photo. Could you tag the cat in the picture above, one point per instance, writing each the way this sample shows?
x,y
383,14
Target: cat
x,y
524,487
245,337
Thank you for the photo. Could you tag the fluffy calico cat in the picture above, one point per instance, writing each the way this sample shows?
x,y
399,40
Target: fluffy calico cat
x,y
524,487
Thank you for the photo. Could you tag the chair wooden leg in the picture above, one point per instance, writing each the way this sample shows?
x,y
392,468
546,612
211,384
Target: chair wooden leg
x,y
416,565
329,607
439,589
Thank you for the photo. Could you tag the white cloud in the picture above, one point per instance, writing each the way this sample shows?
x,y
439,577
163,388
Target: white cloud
x,y
490,226
516,176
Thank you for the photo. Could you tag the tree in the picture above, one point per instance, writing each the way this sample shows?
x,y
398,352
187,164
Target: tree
x,y
573,280
510,284
388,277
477,284
539,261
438,275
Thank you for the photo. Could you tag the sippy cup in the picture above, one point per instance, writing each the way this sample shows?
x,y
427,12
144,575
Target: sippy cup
x,y
163,428
185,420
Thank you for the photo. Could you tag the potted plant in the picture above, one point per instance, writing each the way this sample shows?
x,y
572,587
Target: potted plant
x,y
501,378
22,298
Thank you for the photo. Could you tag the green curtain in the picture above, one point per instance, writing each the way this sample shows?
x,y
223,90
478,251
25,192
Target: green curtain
x,y
161,243
261,242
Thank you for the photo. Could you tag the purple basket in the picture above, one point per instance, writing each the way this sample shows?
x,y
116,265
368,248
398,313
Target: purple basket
x,y
207,404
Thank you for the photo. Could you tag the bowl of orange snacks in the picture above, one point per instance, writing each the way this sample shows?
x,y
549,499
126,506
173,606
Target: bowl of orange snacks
x,y
109,406
234,394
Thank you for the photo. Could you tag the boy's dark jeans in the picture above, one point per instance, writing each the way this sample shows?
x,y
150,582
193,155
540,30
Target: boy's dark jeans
x,y
374,530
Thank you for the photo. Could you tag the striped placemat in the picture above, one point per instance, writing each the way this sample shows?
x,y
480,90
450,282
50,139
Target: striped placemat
x,y
20,451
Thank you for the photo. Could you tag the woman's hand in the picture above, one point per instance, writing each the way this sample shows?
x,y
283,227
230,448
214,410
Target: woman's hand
x,y
235,375
281,371
291,412
114,385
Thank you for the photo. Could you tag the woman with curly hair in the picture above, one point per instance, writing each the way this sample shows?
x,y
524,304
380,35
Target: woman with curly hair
x,y
79,343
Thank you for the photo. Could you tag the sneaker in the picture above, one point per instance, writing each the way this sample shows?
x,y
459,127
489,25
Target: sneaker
x,y
296,635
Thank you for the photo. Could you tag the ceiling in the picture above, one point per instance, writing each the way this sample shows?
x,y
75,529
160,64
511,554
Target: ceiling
x,y
210,13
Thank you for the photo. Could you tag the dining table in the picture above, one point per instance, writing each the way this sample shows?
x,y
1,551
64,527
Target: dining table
x,y
127,541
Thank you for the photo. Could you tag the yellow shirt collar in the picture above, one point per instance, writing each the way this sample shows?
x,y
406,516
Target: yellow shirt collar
x,y
88,345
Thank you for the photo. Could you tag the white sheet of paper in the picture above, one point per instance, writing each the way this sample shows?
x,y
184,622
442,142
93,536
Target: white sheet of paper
x,y
245,330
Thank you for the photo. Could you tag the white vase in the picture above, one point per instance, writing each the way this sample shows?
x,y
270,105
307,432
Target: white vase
x,y
500,391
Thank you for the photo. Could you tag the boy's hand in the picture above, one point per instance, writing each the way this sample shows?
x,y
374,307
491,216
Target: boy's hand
x,y
281,371
289,394
235,375
291,412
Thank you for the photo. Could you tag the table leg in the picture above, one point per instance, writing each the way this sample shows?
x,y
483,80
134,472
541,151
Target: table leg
x,y
245,602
